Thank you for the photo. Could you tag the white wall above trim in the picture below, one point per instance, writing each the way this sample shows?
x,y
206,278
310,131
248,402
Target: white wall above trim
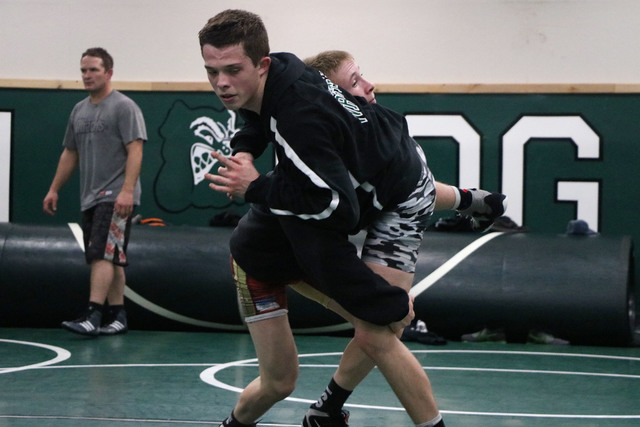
x,y
407,42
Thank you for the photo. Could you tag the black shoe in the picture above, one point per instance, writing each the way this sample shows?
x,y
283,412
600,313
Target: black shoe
x,y
89,324
116,326
485,208
428,338
419,333
232,422
315,418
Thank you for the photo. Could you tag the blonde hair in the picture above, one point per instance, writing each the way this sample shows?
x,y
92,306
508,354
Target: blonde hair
x,y
328,61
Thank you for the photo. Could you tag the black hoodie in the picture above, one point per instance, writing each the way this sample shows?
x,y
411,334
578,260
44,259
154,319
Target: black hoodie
x,y
341,161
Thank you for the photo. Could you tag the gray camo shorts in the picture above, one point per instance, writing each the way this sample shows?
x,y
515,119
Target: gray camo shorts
x,y
395,237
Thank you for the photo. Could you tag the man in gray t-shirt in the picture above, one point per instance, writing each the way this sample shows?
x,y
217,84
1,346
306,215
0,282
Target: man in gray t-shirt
x,y
104,138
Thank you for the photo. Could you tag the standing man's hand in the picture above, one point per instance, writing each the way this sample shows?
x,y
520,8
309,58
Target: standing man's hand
x,y
124,204
66,165
50,203
234,175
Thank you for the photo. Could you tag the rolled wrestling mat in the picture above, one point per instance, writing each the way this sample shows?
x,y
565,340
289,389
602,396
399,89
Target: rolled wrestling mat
x,y
579,288
43,275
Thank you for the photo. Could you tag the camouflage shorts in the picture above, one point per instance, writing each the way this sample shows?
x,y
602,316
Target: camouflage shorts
x,y
395,237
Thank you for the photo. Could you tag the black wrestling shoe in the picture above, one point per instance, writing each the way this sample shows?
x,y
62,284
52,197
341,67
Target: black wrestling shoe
x,y
89,324
117,325
315,418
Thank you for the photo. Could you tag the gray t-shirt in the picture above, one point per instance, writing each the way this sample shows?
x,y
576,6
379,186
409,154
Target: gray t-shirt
x,y
100,133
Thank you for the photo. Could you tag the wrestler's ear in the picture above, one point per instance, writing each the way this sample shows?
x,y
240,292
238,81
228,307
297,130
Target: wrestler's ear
x,y
264,64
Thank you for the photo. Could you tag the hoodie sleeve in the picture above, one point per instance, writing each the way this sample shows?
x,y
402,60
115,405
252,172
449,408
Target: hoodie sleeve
x,y
311,180
250,138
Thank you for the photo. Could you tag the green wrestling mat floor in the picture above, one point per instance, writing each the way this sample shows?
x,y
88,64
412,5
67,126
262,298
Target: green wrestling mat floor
x,y
50,377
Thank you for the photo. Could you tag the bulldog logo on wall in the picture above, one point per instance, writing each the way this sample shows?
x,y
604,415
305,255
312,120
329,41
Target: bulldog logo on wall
x,y
189,135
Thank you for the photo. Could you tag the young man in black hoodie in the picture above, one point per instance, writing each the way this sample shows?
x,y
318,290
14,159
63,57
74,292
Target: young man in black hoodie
x,y
343,165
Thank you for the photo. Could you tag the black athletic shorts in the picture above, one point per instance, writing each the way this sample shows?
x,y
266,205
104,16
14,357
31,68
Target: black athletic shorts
x,y
106,234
